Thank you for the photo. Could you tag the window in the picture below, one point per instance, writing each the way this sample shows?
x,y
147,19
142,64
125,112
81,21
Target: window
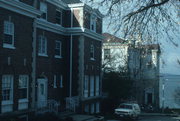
x,y
97,107
42,50
97,85
86,79
43,8
8,34
23,86
92,86
58,49
92,52
58,79
7,87
106,53
93,23
59,17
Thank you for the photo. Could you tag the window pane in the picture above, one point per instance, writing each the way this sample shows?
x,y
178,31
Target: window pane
x,y
8,39
58,17
22,93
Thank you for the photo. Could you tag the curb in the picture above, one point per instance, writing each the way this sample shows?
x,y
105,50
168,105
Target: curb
x,y
158,114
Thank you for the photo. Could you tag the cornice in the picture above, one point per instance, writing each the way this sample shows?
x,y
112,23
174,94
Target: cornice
x,y
43,24
20,8
58,3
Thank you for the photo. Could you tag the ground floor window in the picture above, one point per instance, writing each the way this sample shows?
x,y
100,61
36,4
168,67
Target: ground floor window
x,y
86,108
97,107
92,108
23,86
7,87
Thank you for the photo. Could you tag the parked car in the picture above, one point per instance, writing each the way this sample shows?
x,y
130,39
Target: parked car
x,y
128,110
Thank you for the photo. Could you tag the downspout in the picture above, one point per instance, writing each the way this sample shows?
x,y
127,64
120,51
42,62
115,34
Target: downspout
x,y
70,85
34,65
70,79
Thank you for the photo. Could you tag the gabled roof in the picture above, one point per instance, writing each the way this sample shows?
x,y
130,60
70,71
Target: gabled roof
x,y
71,1
109,38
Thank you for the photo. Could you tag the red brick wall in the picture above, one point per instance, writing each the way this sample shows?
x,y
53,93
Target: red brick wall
x,y
23,49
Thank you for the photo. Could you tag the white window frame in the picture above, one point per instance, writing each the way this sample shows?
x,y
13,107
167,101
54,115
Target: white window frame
x,y
93,19
11,78
43,8
91,86
42,46
86,85
97,85
27,85
92,51
92,108
97,107
57,10
9,30
60,49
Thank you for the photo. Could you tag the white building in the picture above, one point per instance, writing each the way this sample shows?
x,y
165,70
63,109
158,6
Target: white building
x,y
169,87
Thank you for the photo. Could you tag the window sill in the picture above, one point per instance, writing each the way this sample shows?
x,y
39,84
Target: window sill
x,y
8,46
23,100
7,102
44,55
57,56
92,59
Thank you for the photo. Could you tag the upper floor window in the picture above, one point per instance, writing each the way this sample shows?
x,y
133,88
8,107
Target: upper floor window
x,y
7,87
58,49
59,17
106,53
42,50
43,8
92,52
23,86
8,34
93,23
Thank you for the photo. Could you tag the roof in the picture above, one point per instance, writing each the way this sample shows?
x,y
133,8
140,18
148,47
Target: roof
x,y
71,1
109,38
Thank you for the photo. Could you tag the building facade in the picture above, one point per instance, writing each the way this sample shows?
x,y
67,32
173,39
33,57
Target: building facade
x,y
50,52
140,62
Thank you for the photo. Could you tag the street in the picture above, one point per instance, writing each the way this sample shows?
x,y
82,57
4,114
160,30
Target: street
x,y
154,118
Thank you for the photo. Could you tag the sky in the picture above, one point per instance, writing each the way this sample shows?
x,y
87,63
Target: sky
x,y
169,53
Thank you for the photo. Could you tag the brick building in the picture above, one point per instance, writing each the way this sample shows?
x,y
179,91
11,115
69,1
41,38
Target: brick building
x,y
50,52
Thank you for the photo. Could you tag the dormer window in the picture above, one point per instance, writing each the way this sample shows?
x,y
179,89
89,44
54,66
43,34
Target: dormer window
x,y
92,52
43,9
93,23
59,17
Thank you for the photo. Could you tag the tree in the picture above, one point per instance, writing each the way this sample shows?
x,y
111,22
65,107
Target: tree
x,y
147,20
118,87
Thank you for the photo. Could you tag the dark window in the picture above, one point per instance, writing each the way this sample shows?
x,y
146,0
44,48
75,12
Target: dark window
x,y
58,17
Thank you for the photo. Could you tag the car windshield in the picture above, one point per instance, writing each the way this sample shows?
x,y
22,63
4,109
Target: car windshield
x,y
126,106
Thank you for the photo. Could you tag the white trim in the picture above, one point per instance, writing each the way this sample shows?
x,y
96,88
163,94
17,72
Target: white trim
x,y
20,8
23,101
44,55
45,25
7,102
8,46
59,57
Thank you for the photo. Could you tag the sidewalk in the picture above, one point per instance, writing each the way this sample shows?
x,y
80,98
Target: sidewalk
x,y
79,117
158,114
